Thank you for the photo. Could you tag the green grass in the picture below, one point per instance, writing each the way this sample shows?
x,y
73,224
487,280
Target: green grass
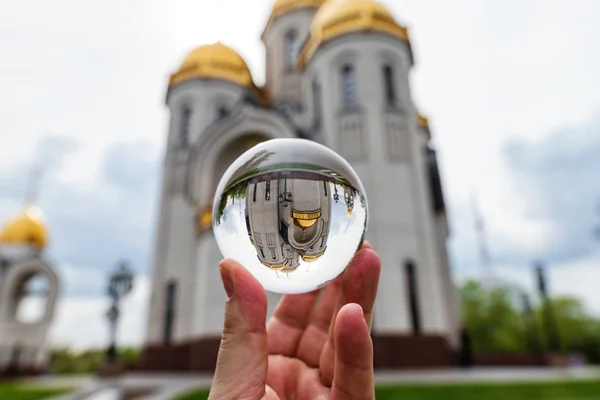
x,y
501,391
512,391
15,391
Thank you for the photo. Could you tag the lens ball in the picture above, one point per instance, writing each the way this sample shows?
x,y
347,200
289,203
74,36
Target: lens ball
x,y
292,212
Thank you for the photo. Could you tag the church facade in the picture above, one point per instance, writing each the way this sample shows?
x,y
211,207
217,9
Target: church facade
x,y
29,288
337,73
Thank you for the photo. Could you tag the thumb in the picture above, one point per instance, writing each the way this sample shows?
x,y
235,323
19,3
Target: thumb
x,y
243,356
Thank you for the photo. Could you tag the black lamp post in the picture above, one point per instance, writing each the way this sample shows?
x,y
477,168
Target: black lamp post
x,y
119,285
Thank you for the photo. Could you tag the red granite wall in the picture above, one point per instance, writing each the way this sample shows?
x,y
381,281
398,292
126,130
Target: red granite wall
x,y
390,352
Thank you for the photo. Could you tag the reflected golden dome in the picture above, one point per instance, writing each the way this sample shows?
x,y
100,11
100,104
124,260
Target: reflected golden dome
x,y
274,267
28,228
349,212
305,219
339,17
305,223
205,219
291,269
308,259
216,61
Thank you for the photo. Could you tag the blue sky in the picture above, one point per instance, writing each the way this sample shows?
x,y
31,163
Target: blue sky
x,y
508,86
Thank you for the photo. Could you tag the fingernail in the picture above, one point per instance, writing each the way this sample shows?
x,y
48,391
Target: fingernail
x,y
227,280
356,307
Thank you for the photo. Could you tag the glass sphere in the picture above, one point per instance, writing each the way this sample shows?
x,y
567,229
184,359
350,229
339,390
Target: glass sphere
x,y
292,212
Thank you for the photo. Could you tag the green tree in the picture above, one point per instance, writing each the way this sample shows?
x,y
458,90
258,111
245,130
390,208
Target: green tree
x,y
578,330
67,361
493,315
492,318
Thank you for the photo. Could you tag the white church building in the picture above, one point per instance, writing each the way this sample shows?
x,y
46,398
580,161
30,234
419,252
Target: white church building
x,y
337,73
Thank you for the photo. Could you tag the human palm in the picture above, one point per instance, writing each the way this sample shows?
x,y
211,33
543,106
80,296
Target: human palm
x,y
315,346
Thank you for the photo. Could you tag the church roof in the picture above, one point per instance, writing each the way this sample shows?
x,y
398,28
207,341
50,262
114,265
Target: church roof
x,y
340,17
216,61
285,6
282,7
27,228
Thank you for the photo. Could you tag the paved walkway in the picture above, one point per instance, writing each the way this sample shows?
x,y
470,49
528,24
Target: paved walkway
x,y
168,386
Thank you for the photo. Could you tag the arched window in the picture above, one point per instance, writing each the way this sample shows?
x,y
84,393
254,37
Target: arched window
x,y
222,112
285,109
3,266
169,317
316,91
348,85
413,296
389,85
31,301
184,129
291,49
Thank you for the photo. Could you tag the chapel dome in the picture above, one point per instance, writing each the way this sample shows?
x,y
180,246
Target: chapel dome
x,y
340,17
214,61
27,228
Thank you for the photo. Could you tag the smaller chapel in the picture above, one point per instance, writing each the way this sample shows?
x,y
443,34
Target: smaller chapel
x,y
28,292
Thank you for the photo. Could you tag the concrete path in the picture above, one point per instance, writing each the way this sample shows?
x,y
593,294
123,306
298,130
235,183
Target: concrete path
x,y
487,375
169,386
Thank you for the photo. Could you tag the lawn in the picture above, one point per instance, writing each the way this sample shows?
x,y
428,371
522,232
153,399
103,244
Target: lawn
x,y
510,391
15,391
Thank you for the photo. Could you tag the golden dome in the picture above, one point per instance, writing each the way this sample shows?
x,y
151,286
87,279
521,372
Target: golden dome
x,y
349,212
281,7
339,17
28,228
205,219
216,61
285,6
422,121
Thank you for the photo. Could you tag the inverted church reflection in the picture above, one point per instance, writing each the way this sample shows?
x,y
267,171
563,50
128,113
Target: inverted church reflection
x,y
288,216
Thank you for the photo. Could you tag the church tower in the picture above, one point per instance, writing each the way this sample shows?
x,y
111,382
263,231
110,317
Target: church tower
x,y
357,62
287,28
217,113
28,292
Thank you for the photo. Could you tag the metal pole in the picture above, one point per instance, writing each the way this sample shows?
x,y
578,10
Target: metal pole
x,y
550,325
531,331
120,284
113,315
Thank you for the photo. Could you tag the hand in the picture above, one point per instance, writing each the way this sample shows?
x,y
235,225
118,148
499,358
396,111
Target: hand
x,y
316,346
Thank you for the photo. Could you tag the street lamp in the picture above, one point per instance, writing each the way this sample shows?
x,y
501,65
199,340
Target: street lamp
x,y
119,285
